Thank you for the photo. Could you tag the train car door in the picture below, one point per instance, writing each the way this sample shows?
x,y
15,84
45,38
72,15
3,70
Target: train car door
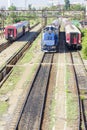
x,y
74,37
10,33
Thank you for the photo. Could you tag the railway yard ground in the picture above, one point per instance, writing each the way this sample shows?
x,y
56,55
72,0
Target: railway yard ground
x,y
28,70
43,90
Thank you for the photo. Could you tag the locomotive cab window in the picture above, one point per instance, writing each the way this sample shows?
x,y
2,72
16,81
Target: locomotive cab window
x,y
48,36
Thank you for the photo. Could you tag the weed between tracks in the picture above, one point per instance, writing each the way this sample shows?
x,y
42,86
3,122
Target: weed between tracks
x,y
10,84
30,75
71,104
71,109
3,107
34,21
52,111
30,53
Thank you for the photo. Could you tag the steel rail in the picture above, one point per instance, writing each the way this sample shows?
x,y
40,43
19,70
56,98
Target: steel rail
x,y
82,120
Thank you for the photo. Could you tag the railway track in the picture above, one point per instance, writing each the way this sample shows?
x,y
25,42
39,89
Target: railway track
x,y
30,117
6,44
54,112
12,54
81,82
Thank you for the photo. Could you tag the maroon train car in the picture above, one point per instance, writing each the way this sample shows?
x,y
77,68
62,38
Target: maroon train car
x,y
12,32
73,36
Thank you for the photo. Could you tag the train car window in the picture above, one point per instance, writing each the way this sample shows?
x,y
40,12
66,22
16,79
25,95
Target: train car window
x,y
74,37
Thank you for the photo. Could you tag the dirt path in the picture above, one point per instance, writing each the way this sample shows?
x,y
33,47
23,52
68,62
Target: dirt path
x,y
60,111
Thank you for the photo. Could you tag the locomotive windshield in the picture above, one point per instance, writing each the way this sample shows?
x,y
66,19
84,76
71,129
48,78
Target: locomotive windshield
x,y
49,28
48,36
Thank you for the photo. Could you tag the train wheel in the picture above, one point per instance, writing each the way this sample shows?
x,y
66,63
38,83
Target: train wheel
x,y
79,47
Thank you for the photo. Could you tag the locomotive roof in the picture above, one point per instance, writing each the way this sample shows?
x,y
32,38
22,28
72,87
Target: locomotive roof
x,y
71,28
50,26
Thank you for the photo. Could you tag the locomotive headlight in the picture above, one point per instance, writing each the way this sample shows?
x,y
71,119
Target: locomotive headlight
x,y
42,43
53,47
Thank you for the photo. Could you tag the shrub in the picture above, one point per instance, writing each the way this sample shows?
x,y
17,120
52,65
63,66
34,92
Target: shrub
x,y
84,43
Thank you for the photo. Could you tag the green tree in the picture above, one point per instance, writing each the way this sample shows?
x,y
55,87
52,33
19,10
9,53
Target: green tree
x,y
12,7
12,15
84,43
2,18
67,4
77,7
30,7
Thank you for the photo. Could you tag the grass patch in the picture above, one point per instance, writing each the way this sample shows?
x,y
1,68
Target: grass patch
x,y
32,72
49,21
68,91
30,53
33,22
71,109
71,104
52,111
62,28
10,84
67,76
3,107
82,97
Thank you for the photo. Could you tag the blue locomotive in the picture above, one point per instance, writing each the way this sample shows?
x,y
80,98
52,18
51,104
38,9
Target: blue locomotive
x,y
50,38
